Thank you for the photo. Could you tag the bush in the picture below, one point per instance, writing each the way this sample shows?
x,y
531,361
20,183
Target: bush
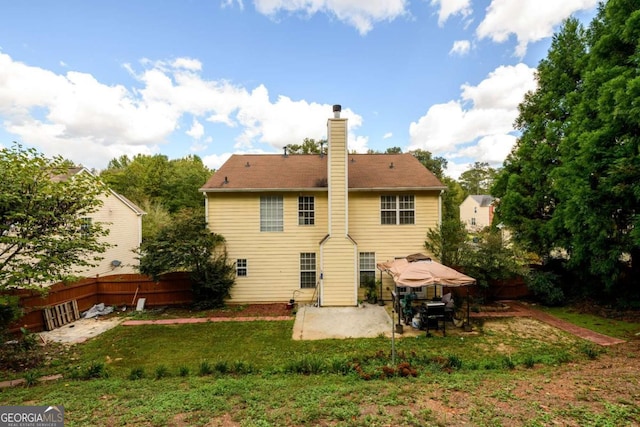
x,y
136,374
544,285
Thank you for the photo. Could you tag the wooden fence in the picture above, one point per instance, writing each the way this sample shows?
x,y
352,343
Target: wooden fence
x,y
117,290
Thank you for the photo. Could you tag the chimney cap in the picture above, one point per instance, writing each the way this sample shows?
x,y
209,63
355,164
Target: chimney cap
x,y
337,108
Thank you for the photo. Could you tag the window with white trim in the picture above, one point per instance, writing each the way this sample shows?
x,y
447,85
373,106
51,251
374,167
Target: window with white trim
x,y
271,213
367,267
397,210
306,210
85,226
307,270
241,267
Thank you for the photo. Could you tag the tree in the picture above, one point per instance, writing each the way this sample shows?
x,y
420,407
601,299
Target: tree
x,y
171,183
308,146
525,187
599,178
478,178
45,236
186,244
448,242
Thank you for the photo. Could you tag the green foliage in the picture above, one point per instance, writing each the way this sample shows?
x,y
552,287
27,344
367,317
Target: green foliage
x,y
44,235
492,261
205,368
308,146
161,372
9,311
136,373
448,242
478,179
573,180
22,353
545,286
186,244
96,370
158,180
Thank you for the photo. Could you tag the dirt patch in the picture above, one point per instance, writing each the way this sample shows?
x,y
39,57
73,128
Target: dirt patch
x,y
526,328
247,310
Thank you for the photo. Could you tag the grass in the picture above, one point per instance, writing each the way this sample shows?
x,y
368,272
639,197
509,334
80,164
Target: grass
x,y
253,374
612,327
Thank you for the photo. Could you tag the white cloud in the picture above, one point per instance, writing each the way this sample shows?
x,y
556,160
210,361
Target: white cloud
x,y
452,7
89,122
528,20
460,47
387,135
480,124
361,14
196,131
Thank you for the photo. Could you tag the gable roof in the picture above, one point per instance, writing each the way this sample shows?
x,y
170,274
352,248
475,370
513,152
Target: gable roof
x,y
274,172
482,200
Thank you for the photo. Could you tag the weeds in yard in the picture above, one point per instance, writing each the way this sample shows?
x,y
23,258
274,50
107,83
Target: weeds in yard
x,y
205,368
183,371
508,362
529,361
161,372
96,370
137,373
31,378
590,351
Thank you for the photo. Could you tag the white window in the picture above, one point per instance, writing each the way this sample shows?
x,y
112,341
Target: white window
x,y
306,210
473,221
241,267
396,210
307,270
271,213
367,267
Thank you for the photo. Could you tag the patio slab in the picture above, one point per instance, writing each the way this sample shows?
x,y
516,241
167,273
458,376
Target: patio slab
x,y
318,323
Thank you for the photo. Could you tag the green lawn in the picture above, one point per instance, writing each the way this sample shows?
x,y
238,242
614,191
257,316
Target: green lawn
x,y
253,374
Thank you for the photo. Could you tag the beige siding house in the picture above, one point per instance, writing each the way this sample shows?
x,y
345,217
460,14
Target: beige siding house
x,y
123,219
476,212
310,227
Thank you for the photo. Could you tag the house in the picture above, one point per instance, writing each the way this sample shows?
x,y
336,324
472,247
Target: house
x,y
313,227
476,212
123,219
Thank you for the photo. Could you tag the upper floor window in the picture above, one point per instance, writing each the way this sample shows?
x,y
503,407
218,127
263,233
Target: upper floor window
x,y
306,210
473,221
271,213
397,210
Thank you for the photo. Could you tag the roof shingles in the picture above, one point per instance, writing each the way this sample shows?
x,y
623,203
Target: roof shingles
x,y
309,171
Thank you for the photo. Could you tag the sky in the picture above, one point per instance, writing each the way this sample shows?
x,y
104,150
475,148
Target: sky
x,y
92,81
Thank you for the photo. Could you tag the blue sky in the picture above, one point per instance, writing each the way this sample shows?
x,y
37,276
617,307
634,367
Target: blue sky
x,y
91,81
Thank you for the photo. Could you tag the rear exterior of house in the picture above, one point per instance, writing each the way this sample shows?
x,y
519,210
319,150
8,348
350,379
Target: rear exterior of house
x,y
311,227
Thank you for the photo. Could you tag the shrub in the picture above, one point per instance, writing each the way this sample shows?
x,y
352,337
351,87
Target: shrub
x,y
162,372
544,285
96,370
136,373
205,368
183,371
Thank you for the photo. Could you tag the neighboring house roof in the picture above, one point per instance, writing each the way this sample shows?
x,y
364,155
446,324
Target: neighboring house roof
x,y
483,200
251,172
135,208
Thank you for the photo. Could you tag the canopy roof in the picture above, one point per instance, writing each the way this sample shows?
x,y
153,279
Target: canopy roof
x,y
419,270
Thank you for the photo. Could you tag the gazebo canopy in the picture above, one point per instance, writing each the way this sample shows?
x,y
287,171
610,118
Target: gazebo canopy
x,y
419,270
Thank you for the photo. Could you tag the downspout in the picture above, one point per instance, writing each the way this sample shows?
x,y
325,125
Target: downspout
x,y
440,208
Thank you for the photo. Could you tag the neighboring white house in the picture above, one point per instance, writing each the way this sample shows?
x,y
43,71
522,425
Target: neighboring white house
x,y
123,219
476,212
